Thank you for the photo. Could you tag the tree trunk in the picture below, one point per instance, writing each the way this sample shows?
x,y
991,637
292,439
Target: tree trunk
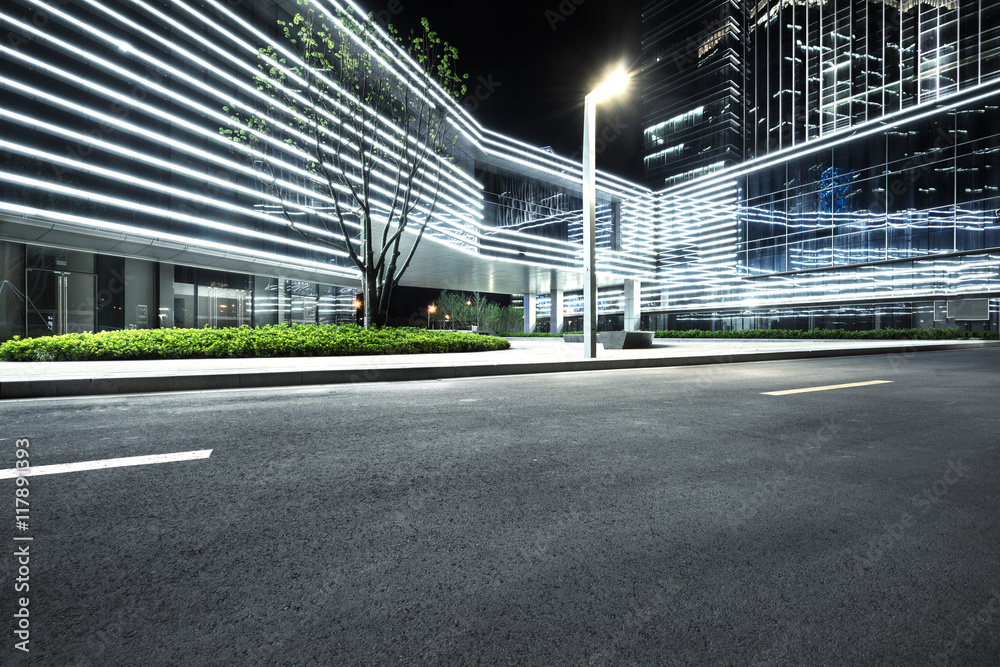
x,y
370,300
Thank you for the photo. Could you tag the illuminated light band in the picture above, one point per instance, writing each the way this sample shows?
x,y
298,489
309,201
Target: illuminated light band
x,y
250,29
402,74
83,166
869,128
715,233
127,205
133,104
183,242
182,75
222,164
405,63
703,294
441,163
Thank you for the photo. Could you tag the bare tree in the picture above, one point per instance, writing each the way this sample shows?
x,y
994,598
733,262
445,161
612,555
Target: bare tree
x,y
350,148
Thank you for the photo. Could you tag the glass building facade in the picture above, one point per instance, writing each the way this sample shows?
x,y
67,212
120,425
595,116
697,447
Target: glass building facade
x,y
122,204
868,188
693,110
808,163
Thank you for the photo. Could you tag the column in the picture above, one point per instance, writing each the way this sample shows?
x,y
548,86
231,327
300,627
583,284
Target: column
x,y
556,312
529,313
165,296
284,314
633,304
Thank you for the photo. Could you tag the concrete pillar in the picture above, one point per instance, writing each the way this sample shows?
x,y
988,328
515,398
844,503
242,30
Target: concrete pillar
x,y
556,312
284,314
165,296
529,313
633,304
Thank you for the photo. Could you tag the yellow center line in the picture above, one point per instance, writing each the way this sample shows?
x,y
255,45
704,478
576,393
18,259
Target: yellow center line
x,y
829,386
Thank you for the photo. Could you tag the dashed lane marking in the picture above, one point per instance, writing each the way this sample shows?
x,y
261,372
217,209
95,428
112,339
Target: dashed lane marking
x,y
105,463
825,388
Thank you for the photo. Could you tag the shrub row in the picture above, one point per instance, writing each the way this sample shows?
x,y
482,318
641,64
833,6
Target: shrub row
x,y
874,334
308,340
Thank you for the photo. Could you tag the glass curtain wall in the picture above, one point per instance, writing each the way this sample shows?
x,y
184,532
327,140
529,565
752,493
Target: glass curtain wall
x,y
694,60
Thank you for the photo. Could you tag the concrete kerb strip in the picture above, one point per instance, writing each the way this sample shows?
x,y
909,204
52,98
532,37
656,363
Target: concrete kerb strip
x,y
152,383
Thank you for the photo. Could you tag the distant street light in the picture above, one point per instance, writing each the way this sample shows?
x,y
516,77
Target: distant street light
x,y
430,309
614,84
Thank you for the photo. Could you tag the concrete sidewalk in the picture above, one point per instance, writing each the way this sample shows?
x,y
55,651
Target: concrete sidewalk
x,y
527,355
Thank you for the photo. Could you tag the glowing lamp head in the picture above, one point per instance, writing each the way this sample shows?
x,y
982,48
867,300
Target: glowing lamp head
x,y
613,85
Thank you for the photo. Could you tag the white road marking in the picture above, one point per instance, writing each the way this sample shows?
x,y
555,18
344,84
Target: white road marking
x,y
826,388
106,463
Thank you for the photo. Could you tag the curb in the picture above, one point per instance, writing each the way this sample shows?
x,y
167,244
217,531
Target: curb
x,y
50,388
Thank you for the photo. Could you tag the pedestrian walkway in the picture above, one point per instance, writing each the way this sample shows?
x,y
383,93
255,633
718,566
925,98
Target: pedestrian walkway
x,y
527,355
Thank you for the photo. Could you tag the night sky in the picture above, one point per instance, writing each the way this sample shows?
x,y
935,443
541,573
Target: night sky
x,y
533,61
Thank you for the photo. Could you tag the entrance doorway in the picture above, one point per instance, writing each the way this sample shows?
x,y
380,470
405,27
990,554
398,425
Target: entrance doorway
x,y
223,307
60,302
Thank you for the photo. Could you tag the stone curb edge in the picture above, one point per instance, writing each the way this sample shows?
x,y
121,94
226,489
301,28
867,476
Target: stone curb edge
x,y
19,389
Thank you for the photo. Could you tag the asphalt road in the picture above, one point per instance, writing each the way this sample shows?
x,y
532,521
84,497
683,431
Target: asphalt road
x,y
659,517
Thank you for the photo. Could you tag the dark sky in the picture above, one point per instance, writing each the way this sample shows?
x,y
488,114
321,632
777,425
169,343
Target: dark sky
x,y
533,61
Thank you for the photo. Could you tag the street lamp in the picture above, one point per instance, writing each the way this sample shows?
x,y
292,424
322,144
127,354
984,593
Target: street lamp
x,y
430,309
613,85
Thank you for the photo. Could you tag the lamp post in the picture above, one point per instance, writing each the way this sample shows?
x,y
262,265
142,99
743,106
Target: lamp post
x,y
612,86
430,309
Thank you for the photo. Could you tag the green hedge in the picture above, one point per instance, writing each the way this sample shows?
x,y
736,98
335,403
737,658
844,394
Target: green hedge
x,y
874,334
270,341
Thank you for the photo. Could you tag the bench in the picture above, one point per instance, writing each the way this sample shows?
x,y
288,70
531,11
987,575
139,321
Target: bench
x,y
626,340
617,340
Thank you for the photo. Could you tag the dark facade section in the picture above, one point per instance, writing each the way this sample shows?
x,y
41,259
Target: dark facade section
x,y
694,113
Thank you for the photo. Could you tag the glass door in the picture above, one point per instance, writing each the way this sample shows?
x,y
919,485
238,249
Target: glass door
x,y
60,302
223,307
304,309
